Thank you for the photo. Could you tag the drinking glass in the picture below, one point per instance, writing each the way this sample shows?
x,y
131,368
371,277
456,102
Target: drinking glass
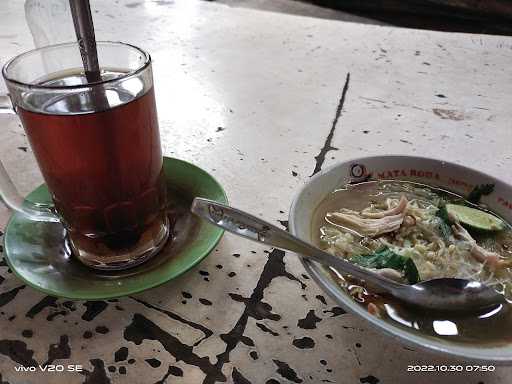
x,y
98,147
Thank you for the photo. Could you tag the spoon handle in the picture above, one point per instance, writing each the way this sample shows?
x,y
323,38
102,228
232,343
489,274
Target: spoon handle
x,y
245,225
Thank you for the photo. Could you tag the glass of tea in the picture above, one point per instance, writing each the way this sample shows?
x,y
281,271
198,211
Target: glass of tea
x,y
98,147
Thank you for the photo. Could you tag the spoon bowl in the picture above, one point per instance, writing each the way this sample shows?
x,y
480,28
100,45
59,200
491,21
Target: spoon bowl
x,y
450,294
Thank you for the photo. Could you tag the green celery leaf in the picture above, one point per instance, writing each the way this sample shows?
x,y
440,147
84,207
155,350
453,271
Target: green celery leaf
x,y
480,190
443,225
411,272
386,258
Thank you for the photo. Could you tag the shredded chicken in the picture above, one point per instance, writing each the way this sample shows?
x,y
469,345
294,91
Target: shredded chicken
x,y
378,224
397,210
482,255
409,221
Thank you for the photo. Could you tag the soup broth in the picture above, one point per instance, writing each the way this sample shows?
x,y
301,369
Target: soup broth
x,y
406,224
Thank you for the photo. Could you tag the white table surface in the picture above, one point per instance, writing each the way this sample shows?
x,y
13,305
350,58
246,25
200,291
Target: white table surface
x,y
273,82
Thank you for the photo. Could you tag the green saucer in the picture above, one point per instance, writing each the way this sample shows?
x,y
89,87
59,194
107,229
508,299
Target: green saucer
x,y
36,252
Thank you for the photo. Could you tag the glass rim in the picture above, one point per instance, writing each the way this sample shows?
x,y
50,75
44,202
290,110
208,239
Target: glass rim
x,y
12,61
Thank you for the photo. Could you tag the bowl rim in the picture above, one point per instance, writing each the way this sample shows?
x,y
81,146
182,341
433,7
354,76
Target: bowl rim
x,y
471,353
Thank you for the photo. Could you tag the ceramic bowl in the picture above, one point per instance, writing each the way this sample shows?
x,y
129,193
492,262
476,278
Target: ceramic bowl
x,y
433,172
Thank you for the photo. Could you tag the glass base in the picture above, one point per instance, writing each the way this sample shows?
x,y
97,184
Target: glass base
x,y
97,255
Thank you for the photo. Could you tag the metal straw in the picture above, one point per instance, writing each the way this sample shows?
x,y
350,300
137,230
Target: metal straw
x,y
84,29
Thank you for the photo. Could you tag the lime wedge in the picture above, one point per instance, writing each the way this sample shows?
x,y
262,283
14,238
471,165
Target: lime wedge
x,y
475,218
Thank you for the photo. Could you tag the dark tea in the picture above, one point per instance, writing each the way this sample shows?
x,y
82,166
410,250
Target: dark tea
x,y
103,168
97,144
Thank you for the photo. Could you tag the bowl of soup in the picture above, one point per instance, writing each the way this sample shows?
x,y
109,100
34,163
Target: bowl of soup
x,y
412,219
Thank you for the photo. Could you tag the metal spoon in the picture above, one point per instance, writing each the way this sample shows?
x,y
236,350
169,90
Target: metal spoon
x,y
446,294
